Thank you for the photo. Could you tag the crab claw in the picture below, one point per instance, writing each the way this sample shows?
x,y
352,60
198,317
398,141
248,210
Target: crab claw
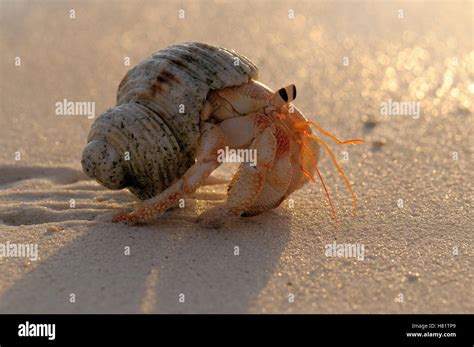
x,y
277,180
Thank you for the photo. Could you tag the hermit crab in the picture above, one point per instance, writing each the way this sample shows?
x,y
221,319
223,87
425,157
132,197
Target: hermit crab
x,y
177,109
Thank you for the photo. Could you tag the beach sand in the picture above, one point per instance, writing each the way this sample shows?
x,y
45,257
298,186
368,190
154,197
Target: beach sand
x,y
412,177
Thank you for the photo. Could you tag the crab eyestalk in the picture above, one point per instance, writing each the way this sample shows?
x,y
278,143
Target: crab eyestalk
x,y
284,95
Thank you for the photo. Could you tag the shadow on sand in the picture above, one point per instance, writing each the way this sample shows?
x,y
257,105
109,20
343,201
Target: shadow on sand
x,y
169,258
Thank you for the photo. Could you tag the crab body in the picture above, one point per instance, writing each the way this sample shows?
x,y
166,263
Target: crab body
x,y
177,110
249,97
244,110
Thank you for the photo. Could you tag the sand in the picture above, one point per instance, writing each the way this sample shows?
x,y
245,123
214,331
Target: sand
x,y
413,176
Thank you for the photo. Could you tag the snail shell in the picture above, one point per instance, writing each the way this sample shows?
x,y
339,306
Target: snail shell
x,y
149,139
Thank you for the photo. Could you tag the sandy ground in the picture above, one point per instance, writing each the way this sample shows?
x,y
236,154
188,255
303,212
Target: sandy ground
x,y
413,177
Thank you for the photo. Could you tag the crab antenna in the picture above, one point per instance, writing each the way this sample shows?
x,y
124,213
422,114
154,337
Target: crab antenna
x,y
305,123
305,172
337,167
321,179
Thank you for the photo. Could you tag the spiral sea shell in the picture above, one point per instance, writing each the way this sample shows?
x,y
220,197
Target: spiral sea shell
x,y
148,140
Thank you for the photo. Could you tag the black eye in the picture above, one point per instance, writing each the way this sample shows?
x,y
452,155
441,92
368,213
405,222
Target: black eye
x,y
283,94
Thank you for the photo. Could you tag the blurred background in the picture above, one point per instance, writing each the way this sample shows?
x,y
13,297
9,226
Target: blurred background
x,y
425,56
